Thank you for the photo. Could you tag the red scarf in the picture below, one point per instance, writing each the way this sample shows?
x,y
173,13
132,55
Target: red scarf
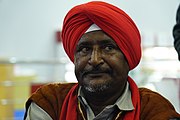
x,y
70,105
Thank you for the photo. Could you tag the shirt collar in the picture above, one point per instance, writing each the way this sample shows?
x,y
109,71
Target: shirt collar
x,y
124,102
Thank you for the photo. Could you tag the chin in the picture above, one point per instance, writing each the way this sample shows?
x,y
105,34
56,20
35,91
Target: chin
x,y
96,88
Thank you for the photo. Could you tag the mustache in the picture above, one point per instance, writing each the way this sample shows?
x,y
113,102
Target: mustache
x,y
96,71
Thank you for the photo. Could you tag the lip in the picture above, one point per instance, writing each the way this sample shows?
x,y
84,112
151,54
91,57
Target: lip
x,y
94,74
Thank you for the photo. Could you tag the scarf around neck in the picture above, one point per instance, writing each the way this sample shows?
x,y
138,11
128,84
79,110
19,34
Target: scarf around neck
x,y
70,105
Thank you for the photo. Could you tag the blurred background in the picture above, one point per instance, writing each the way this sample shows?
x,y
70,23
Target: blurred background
x,y
31,53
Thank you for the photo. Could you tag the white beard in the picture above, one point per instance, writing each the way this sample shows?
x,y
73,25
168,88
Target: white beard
x,y
97,88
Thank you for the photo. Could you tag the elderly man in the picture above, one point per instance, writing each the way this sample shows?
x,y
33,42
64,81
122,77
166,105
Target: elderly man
x,y
104,44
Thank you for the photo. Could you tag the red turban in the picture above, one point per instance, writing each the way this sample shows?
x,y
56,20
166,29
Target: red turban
x,y
112,20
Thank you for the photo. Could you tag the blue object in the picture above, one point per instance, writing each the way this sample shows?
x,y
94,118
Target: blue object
x,y
19,114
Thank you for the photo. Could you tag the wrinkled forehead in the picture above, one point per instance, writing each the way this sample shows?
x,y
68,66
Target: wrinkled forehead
x,y
96,37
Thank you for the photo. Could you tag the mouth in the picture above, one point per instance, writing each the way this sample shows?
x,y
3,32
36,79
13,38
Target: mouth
x,y
96,74
93,75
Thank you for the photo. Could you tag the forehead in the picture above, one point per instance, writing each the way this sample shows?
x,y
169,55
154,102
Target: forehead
x,y
96,36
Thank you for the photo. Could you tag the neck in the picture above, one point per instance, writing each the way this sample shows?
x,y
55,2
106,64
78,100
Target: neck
x,y
98,101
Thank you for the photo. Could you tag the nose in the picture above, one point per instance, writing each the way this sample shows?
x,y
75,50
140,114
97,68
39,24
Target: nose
x,y
96,58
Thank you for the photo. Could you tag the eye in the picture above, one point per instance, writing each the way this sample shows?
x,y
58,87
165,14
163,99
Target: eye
x,y
83,50
109,47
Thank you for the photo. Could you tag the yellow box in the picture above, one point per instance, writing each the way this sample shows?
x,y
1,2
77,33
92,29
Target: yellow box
x,y
6,94
21,90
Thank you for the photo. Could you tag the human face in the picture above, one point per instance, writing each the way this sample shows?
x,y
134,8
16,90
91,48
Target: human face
x,y
99,63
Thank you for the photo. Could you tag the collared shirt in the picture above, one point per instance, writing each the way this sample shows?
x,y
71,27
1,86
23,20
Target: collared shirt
x,y
124,103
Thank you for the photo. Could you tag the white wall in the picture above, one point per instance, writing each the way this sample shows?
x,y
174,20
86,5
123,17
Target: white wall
x,y
27,27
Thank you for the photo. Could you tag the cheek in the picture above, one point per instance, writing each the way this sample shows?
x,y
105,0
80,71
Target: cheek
x,y
119,64
80,63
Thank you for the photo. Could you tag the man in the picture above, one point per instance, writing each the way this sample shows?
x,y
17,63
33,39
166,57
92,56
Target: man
x,y
104,44
176,33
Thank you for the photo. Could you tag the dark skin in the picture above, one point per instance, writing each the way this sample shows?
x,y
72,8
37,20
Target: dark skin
x,y
101,69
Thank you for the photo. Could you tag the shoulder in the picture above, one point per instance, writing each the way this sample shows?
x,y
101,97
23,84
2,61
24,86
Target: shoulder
x,y
51,92
50,97
53,89
148,96
155,106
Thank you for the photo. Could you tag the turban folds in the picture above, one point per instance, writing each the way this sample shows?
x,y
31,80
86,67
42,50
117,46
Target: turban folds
x,y
112,20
